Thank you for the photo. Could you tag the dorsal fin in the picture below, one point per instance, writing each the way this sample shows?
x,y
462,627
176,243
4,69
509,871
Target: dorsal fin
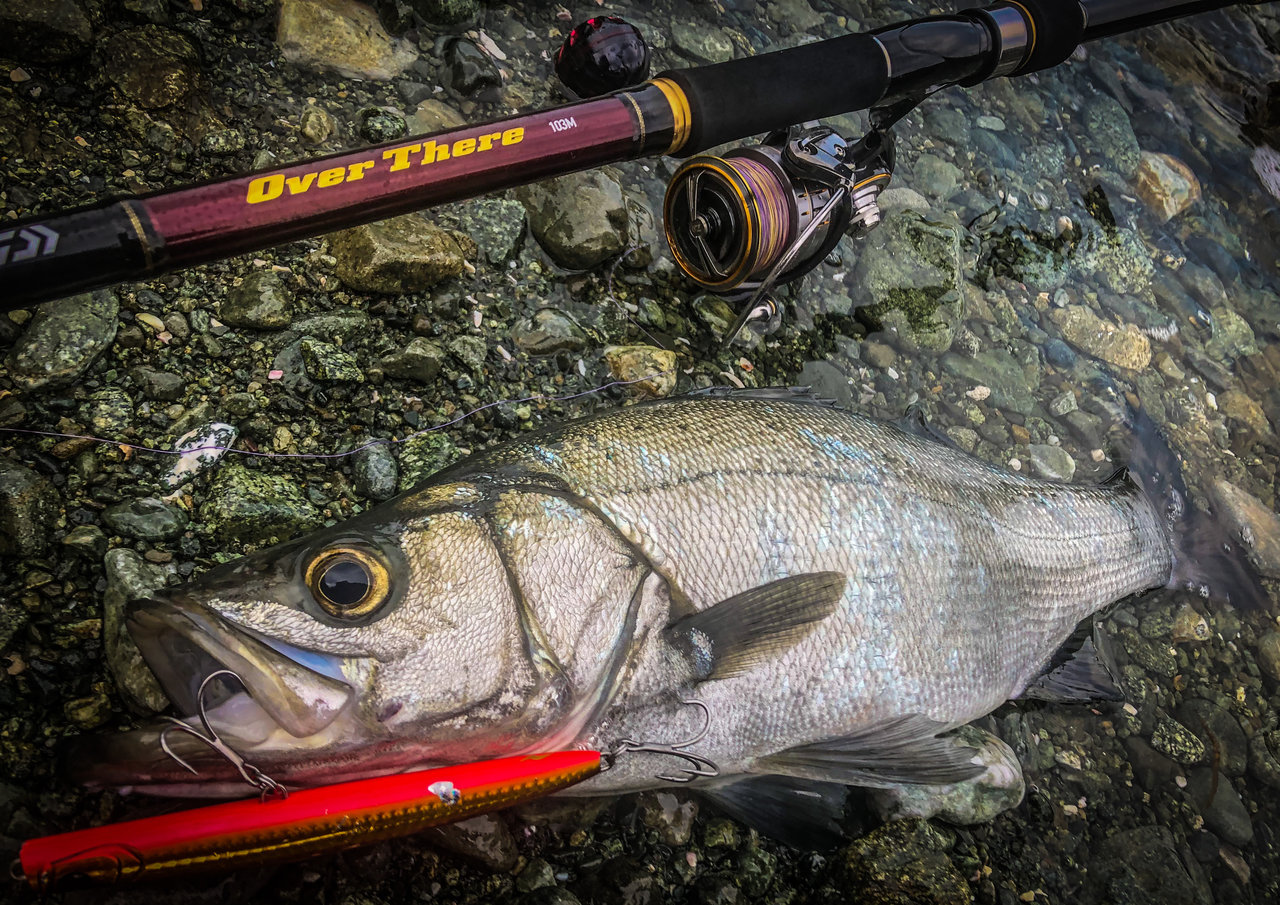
x,y
767,394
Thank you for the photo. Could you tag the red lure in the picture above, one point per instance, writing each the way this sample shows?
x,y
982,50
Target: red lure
x,y
237,834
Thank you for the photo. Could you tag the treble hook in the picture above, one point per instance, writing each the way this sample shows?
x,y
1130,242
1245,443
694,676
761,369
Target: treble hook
x,y
265,785
700,766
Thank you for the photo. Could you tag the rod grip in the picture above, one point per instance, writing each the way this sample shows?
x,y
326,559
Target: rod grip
x,y
733,100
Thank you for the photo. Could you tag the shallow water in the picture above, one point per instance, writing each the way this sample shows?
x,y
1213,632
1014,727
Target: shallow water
x,y
1043,285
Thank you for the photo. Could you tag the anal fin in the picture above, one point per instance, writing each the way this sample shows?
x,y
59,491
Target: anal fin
x,y
1082,671
801,813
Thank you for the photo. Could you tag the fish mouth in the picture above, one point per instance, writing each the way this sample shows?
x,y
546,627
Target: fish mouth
x,y
282,710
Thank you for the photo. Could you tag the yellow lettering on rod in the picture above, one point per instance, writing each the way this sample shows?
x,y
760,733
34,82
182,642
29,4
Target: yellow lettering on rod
x,y
265,188
399,157
513,136
299,184
433,153
463,147
331,177
486,141
356,170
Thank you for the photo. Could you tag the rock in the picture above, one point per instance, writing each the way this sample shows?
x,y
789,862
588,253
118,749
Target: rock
x,y
700,43
550,331
376,472
1063,404
1257,526
44,32
157,385
222,142
249,506
344,36
1232,336
1220,732
536,874
1141,867
484,839
87,541
1166,185
434,116
902,198
315,124
998,370
29,509
1052,462
937,178
470,351
1269,655
470,73
1188,625
63,339
422,456
129,577
1125,347
447,12
879,355
109,410
420,360
827,382
904,862
88,712
797,15
261,302
1220,806
719,832
1238,406
148,519
201,447
153,66
966,803
494,224
336,326
1119,260
580,220
379,126
326,362
649,370
1110,135
1176,741
403,254
669,815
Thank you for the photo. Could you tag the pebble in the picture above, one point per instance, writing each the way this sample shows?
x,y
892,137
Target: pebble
x,y
668,814
1240,407
1176,741
471,351
376,472
344,36
648,370
110,411
88,712
1166,185
484,839
326,362
470,73
990,123
147,518
200,448
420,360
404,254
699,43
1220,805
580,221
1063,404
64,338
1108,132
1052,462
434,115
315,124
1125,347
550,331
29,509
494,224
1140,866
87,541
879,355
157,385
261,302
129,577
247,506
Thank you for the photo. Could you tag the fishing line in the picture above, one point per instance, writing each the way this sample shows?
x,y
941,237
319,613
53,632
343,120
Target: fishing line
x,y
537,397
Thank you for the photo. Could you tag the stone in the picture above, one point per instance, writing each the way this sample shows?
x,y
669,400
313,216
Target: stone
x,y
1063,404
157,385
326,362
63,340
1000,372
109,410
1166,185
379,126
700,43
423,455
1220,731
434,116
494,224
404,254
376,472
262,301
1176,741
315,124
936,178
646,369
1240,407
1140,867
248,506
470,73
1232,336
1269,655
827,382
470,351
29,509
484,839
420,360
1125,347
200,448
447,12
344,36
904,862
1220,806
550,331
152,65
1052,462
671,816
44,32
1110,135
147,518
87,541
878,355
536,874
795,14
129,577
1119,260
580,220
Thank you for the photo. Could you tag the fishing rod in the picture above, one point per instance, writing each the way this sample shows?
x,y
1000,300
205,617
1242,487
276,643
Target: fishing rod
x,y
735,223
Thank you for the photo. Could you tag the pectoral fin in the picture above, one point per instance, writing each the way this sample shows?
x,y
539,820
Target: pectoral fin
x,y
800,813
756,626
903,750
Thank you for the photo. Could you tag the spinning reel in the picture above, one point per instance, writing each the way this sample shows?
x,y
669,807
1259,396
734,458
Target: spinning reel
x,y
759,216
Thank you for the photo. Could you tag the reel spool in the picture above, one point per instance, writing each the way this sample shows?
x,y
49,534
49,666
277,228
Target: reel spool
x,y
729,220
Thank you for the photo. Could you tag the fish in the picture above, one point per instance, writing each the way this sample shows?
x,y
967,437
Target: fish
x,y
755,591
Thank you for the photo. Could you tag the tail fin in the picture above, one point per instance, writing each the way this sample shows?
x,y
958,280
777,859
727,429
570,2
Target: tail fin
x,y
1207,558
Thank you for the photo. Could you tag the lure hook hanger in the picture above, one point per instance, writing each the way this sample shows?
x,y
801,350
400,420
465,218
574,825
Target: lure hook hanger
x,y
699,766
266,786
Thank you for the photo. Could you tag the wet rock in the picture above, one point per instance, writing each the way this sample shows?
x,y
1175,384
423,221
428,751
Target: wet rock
x,y
44,32
973,801
63,339
1232,336
1063,404
344,36
379,126
912,265
157,385
315,124
447,12
1257,526
998,370
1220,806
87,541
434,116
668,814
1110,135
580,221
699,43
936,178
129,577
550,895
537,874
251,506
88,712
1269,655
153,66
422,456
1141,867
494,224
649,370
403,254
1119,260
827,382
376,472
550,331
1166,185
420,360
1239,407
470,351
1220,732
1176,741
200,448
484,839
469,71
147,519
261,302
326,362
904,862
335,326
717,889
1052,462
1124,347
222,142
795,14
720,832
620,881
109,410
29,508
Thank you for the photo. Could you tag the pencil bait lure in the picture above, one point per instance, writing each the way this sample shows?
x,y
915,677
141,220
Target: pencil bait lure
x,y
307,822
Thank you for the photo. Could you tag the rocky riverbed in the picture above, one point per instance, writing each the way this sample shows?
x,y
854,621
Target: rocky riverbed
x,y
1108,228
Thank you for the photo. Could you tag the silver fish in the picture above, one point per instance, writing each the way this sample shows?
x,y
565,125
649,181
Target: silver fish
x,y
834,593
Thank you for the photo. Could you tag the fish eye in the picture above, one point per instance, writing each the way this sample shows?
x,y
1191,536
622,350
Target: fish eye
x,y
348,582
